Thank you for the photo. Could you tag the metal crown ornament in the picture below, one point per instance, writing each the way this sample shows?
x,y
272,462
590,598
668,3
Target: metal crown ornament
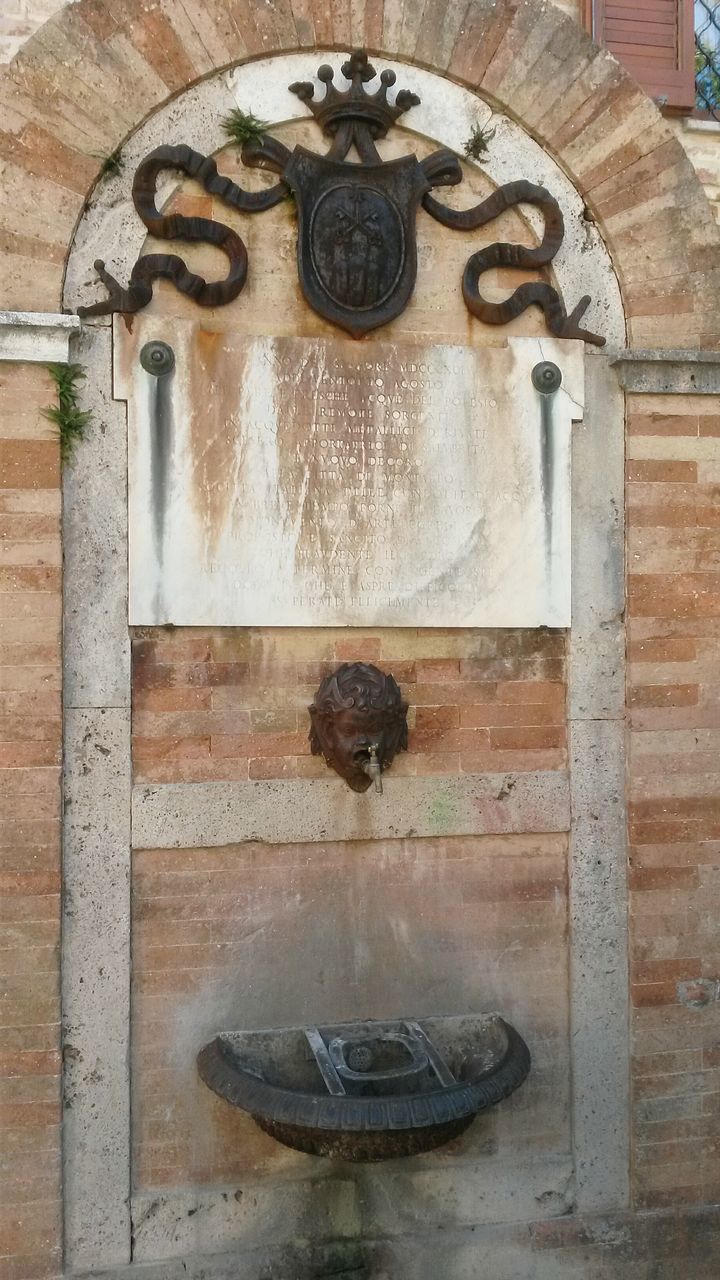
x,y
355,104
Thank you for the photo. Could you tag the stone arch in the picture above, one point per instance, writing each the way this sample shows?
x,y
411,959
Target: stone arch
x,y
86,80
447,113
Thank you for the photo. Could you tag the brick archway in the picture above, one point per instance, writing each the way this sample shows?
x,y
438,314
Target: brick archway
x,y
93,73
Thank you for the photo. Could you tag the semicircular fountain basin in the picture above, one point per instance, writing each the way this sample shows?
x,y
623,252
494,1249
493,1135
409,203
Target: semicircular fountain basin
x,y
368,1090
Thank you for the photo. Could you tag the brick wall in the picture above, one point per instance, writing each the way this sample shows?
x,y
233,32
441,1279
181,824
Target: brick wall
x,y
59,122
30,745
673,489
19,19
258,935
229,704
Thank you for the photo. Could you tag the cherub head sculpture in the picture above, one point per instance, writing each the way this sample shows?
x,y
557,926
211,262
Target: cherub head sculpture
x,y
359,723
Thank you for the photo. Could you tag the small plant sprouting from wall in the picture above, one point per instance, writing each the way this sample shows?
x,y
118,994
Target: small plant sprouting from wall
x,y
71,421
241,127
477,145
112,164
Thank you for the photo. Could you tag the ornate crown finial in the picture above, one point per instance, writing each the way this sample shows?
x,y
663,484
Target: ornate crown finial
x,y
355,103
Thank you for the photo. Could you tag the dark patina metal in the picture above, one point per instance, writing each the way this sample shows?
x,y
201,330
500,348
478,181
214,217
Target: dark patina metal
x,y
357,259
423,1083
516,255
169,266
157,358
546,377
358,723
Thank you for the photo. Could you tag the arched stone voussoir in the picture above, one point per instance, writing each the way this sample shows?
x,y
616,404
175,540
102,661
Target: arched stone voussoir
x,y
93,73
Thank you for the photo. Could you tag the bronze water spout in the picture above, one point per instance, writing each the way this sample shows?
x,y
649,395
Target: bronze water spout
x,y
373,768
358,724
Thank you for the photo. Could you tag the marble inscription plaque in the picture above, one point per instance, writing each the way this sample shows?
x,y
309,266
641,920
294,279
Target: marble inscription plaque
x,y
324,482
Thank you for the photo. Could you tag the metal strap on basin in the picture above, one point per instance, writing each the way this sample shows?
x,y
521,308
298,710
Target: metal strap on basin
x,y
327,1067
437,1062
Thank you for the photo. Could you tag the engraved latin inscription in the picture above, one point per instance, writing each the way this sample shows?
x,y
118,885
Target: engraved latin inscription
x,y
317,482
359,479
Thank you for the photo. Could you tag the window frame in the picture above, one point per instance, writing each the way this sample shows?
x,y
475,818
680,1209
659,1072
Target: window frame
x,y
671,89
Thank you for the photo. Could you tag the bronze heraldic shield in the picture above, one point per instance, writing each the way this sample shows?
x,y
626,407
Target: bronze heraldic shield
x,y
356,236
356,248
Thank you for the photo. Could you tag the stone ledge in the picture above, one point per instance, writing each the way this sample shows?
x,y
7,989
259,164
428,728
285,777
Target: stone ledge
x,y
671,372
37,337
680,1244
203,814
400,1199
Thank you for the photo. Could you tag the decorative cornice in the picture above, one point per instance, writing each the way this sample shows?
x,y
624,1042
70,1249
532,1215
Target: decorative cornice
x,y
37,337
669,372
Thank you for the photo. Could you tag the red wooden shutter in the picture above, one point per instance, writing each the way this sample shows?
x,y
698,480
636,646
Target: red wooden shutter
x,y
655,40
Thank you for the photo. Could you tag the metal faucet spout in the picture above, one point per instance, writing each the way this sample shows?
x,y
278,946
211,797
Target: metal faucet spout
x,y
373,768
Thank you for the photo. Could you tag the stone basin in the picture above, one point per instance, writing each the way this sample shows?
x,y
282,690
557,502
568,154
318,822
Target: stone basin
x,y
368,1090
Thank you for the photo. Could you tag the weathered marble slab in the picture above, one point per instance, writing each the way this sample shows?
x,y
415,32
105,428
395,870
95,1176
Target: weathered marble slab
x,y
322,482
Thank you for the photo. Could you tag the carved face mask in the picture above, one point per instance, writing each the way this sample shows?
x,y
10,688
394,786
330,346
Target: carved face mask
x,y
359,723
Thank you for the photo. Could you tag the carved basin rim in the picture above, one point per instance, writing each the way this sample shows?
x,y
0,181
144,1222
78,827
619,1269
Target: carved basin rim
x,y
221,1071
